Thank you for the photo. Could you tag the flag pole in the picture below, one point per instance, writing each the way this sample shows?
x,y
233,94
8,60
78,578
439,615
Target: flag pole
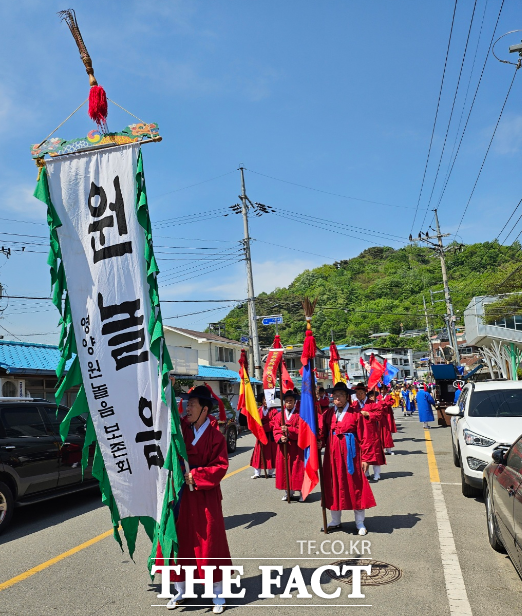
x,y
283,423
309,308
314,394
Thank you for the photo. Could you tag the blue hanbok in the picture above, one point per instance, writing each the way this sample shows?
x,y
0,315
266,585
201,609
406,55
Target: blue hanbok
x,y
424,402
408,407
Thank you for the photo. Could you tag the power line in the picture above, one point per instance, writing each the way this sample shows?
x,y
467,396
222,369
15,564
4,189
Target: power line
x,y
326,192
457,132
164,301
436,116
487,151
452,109
26,222
291,248
355,229
10,333
471,107
197,275
197,184
188,314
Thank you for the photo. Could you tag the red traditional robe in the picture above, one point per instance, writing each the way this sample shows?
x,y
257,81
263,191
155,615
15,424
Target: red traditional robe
x,y
388,421
324,404
270,449
372,443
200,525
341,489
295,453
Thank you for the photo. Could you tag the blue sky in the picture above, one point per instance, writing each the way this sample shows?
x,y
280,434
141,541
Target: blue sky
x,y
338,96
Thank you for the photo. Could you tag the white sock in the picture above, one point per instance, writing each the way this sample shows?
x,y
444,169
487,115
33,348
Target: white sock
x,y
180,590
217,587
257,472
376,471
359,518
271,471
336,518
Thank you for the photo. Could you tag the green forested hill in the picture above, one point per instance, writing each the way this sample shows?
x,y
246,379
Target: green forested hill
x,y
381,289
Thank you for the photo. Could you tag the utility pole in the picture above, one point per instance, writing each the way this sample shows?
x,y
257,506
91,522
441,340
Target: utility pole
x,y
428,331
441,250
252,317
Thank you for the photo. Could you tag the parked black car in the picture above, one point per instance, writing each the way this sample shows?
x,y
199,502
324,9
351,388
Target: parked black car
x,y
229,429
503,497
34,463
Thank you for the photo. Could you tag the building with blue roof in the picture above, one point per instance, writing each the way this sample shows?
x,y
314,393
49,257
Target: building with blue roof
x,y
29,369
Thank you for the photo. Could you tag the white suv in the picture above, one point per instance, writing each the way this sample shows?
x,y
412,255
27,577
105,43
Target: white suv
x,y
487,416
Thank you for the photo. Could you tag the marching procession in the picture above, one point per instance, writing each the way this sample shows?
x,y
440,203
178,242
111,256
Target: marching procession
x,y
335,445
293,381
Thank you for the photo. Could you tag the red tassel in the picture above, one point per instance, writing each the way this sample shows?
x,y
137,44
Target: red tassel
x,y
334,353
309,347
98,107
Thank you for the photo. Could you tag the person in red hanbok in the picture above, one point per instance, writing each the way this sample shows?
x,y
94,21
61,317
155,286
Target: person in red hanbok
x,y
372,428
288,434
200,525
388,426
268,461
323,400
346,460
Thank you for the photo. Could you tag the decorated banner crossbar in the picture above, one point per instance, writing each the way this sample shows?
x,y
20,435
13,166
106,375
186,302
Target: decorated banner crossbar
x,y
102,260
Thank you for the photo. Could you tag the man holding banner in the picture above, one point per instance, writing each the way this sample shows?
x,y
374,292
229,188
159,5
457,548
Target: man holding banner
x,y
200,524
345,460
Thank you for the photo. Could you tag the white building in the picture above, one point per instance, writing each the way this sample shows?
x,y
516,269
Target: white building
x,y
205,357
402,359
500,343
349,362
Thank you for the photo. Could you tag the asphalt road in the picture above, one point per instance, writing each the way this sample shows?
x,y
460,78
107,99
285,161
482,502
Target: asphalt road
x,y
405,531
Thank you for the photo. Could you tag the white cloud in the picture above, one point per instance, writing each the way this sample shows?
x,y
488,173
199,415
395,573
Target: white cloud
x,y
268,276
508,139
19,200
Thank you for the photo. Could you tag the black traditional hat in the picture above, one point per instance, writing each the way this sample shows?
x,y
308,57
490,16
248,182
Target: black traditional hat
x,y
202,393
361,386
343,387
290,394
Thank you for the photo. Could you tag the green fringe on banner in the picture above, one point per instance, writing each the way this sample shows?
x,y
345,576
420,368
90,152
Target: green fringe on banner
x,y
163,533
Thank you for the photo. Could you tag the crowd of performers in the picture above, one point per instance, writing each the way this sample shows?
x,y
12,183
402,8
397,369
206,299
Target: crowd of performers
x,y
355,430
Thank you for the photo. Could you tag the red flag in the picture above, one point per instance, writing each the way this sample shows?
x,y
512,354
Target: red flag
x,y
222,411
247,402
377,370
180,406
287,380
272,365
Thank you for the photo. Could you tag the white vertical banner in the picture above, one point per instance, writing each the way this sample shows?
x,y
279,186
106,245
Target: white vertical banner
x,y
103,253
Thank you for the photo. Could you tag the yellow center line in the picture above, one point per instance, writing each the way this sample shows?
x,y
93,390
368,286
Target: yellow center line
x,y
432,462
243,468
56,559
75,550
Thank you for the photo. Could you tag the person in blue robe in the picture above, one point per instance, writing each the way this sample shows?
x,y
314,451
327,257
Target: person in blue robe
x,y
424,401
